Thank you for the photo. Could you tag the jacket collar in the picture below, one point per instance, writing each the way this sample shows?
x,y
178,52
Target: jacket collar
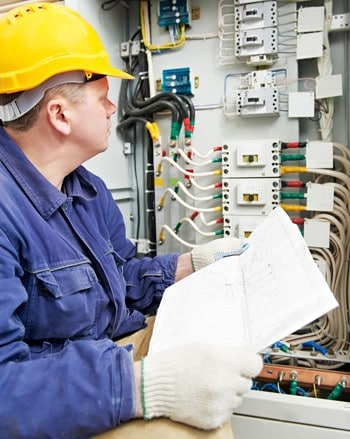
x,y
44,196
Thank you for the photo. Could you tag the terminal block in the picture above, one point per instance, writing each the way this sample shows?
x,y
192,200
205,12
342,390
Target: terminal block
x,y
251,158
173,12
177,81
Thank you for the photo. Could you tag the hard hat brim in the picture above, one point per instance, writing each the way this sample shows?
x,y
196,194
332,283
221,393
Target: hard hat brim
x,y
113,71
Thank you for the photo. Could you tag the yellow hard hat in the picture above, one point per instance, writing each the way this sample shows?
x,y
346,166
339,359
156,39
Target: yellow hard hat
x,y
40,40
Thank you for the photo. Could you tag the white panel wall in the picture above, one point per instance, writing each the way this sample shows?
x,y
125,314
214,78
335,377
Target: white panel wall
x,y
112,165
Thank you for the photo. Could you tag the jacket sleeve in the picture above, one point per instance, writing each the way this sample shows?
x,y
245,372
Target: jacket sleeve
x,y
81,389
146,278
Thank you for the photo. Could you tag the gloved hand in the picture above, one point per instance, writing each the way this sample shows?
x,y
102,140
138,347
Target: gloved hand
x,y
197,385
219,248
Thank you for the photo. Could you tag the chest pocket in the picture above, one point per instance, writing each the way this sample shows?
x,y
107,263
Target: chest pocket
x,y
62,303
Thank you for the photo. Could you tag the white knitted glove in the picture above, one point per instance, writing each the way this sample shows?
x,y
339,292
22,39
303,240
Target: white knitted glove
x,y
219,248
197,385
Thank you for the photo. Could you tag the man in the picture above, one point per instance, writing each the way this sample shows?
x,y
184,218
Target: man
x,y
69,283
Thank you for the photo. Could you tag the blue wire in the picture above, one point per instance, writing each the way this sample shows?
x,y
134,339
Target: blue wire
x,y
316,346
301,391
255,385
272,387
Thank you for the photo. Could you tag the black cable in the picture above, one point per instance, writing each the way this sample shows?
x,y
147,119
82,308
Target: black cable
x,y
130,121
137,235
143,68
136,106
151,109
190,106
164,97
134,35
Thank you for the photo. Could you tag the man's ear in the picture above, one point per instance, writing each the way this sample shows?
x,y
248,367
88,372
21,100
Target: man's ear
x,y
57,113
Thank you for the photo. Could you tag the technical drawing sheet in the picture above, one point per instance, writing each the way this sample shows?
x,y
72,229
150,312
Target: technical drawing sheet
x,y
251,300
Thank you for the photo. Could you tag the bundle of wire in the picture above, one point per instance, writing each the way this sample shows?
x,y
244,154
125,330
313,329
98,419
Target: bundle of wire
x,y
332,330
136,112
208,194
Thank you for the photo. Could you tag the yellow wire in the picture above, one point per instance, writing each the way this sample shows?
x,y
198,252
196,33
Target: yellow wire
x,y
292,169
293,207
157,47
278,387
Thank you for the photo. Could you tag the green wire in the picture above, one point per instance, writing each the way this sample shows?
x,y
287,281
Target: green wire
x,y
293,387
291,157
336,391
291,195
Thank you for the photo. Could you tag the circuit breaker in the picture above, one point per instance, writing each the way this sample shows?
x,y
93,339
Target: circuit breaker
x,y
251,158
254,42
254,94
256,15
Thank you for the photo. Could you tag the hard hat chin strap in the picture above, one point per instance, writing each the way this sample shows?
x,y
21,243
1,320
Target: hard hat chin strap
x,y
29,98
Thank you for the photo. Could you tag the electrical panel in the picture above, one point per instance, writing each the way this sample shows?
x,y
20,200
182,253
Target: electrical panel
x,y
256,121
246,153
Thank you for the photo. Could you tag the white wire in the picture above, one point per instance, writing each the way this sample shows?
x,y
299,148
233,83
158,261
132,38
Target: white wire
x,y
191,162
195,227
189,173
342,149
329,172
188,206
333,327
184,189
206,223
202,188
202,36
175,236
201,156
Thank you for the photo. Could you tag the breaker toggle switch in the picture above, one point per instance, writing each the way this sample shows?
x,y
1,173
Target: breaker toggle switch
x,y
253,101
251,14
249,198
251,193
250,158
252,40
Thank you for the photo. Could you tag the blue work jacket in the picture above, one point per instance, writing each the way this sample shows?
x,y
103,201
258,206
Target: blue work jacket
x,y
69,285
